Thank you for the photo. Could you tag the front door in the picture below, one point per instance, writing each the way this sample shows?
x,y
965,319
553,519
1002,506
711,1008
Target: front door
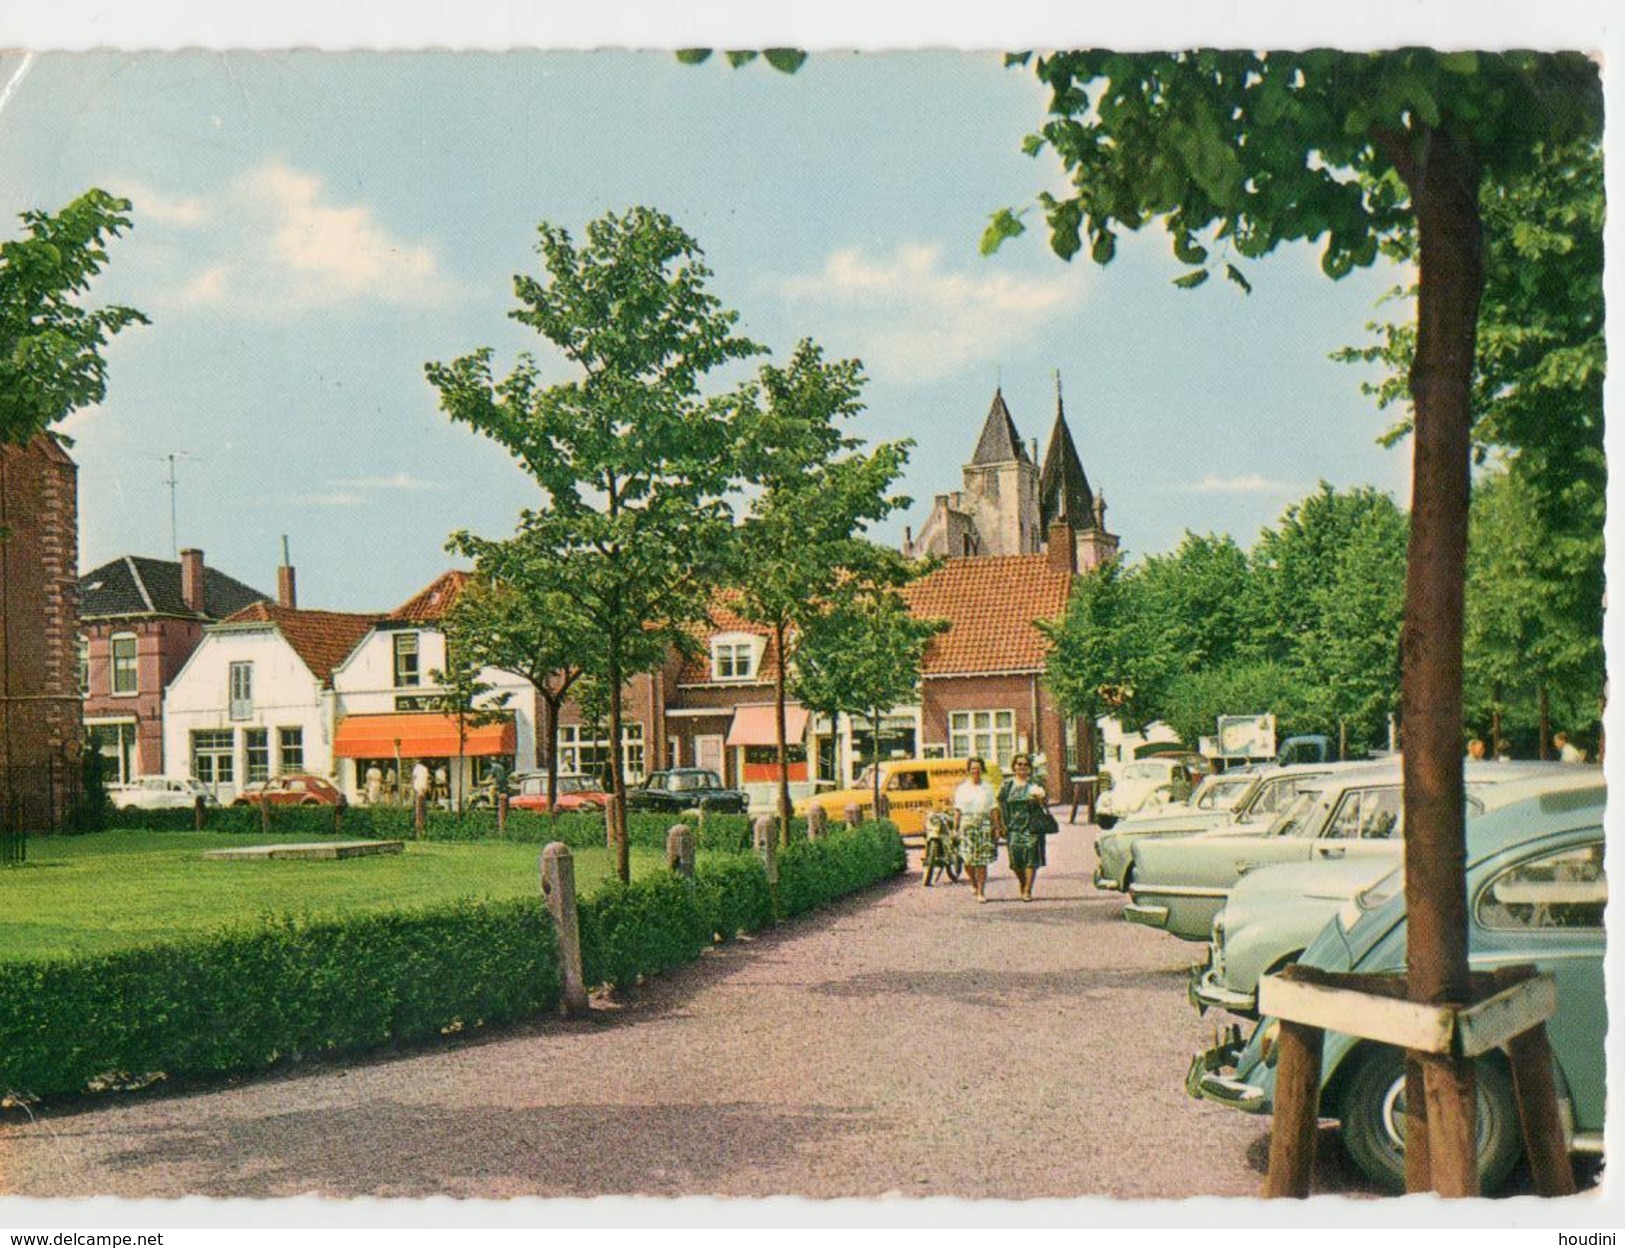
x,y
708,754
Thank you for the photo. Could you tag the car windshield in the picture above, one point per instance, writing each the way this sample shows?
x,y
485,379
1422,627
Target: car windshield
x,y
1222,794
1146,771
1291,821
688,783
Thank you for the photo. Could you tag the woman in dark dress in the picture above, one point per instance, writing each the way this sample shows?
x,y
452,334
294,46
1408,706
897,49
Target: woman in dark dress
x,y
1020,800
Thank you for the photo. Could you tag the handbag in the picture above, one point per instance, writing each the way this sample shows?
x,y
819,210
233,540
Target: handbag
x,y
1044,823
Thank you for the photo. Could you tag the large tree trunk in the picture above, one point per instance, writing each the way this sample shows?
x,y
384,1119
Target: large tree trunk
x,y
1545,701
778,719
550,749
617,776
1444,185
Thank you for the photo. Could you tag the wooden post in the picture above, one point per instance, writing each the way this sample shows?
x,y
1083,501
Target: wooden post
x,y
817,823
265,816
854,814
338,815
1297,1111
1535,1090
197,813
502,813
767,846
680,850
420,814
1418,1174
559,893
1452,1108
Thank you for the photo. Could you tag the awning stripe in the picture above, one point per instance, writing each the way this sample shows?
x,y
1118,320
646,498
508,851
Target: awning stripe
x,y
754,725
418,733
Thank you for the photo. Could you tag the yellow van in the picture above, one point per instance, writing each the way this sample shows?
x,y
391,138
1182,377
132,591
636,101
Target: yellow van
x,y
911,789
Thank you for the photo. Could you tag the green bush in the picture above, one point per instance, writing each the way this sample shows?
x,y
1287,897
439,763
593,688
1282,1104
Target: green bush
x,y
242,999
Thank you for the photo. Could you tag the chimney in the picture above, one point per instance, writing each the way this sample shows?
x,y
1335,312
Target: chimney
x,y
285,594
192,580
1062,552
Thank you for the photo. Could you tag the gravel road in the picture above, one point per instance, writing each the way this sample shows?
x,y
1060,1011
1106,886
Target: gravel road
x,y
904,1041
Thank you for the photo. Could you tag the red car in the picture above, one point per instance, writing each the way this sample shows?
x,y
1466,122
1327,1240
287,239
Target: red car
x,y
295,789
575,793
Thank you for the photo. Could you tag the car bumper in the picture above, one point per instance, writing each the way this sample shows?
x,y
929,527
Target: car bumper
x,y
1211,1077
1205,992
1146,915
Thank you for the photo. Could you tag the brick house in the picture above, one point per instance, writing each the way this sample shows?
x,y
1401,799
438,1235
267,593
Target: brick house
x,y
256,697
40,713
139,621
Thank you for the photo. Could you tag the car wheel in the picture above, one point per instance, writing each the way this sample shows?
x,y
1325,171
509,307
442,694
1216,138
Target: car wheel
x,y
1105,822
310,801
1373,1128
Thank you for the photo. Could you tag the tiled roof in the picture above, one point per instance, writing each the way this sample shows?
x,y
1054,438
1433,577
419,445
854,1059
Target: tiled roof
x,y
323,639
724,619
999,443
432,601
134,585
991,602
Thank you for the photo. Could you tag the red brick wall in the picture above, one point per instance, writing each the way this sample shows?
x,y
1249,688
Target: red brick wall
x,y
942,695
163,644
40,727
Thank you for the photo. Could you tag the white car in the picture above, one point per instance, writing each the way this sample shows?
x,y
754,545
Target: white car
x,y
1146,784
160,793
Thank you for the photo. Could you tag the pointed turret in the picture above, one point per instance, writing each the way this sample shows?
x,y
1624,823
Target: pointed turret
x,y
999,443
1063,489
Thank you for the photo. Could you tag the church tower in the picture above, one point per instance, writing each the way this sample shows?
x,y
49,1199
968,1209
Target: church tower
x,y
1065,497
1001,488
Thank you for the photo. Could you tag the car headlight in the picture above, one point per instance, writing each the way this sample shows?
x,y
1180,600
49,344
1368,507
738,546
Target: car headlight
x,y
1267,1039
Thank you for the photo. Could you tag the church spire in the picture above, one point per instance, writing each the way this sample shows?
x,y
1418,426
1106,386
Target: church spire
x,y
1063,489
999,443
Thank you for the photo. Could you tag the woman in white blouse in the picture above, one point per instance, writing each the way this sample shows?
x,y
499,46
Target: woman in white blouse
x,y
977,820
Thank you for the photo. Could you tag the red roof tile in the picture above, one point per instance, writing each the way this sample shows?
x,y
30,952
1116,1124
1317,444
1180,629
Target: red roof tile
x,y
991,602
432,601
322,639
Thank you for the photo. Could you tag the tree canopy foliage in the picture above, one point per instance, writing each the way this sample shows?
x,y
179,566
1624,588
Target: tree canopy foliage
x,y
50,347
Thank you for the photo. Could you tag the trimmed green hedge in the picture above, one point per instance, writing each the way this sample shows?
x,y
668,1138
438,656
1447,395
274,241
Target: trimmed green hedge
x,y
243,999
579,830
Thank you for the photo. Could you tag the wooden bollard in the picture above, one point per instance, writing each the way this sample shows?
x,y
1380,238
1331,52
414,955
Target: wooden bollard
x,y
420,814
854,814
817,823
502,813
197,813
559,893
767,845
680,850
1297,1109
338,814
265,816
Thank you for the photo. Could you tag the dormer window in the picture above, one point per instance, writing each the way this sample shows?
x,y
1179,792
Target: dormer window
x,y
735,656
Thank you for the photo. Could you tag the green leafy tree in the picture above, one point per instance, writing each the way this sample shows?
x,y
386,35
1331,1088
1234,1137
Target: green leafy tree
x,y
513,620
803,537
633,456
51,347
863,658
1106,655
1246,150
1198,597
1193,700
471,702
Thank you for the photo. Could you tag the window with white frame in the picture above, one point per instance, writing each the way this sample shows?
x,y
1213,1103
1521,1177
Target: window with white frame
x,y
240,679
735,656
212,755
290,750
582,751
122,648
256,754
990,734
407,674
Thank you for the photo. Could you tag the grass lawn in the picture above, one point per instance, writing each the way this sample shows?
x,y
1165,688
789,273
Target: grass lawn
x,y
116,890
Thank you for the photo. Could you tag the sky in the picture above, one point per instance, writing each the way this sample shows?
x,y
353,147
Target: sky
x,y
310,229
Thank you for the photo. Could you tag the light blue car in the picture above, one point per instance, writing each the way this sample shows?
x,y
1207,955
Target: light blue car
x,y
1536,891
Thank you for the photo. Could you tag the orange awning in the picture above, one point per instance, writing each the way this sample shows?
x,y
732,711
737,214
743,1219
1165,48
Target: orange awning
x,y
753,725
418,733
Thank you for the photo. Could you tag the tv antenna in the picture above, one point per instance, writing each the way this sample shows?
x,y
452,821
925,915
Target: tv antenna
x,y
169,458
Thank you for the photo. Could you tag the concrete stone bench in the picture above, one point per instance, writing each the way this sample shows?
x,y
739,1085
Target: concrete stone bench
x,y
316,850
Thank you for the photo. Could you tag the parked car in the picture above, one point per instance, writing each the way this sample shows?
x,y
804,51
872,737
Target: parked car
x,y
1536,891
159,793
1180,885
1267,792
911,789
294,789
528,791
687,788
1144,784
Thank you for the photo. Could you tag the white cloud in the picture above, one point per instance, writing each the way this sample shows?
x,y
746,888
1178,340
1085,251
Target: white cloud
x,y
274,242
337,498
400,481
1252,483
911,318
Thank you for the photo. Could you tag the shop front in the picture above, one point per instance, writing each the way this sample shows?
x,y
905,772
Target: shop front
x,y
376,755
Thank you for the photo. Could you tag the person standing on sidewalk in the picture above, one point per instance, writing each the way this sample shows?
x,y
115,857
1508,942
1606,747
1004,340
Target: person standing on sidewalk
x,y
976,816
1020,803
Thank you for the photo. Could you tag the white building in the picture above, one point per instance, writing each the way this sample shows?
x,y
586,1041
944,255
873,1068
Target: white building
x,y
256,698
385,689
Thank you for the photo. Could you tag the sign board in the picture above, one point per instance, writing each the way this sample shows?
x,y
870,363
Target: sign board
x,y
1247,736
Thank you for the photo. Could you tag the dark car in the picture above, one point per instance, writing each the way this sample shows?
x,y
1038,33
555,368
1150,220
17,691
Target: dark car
x,y
686,788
